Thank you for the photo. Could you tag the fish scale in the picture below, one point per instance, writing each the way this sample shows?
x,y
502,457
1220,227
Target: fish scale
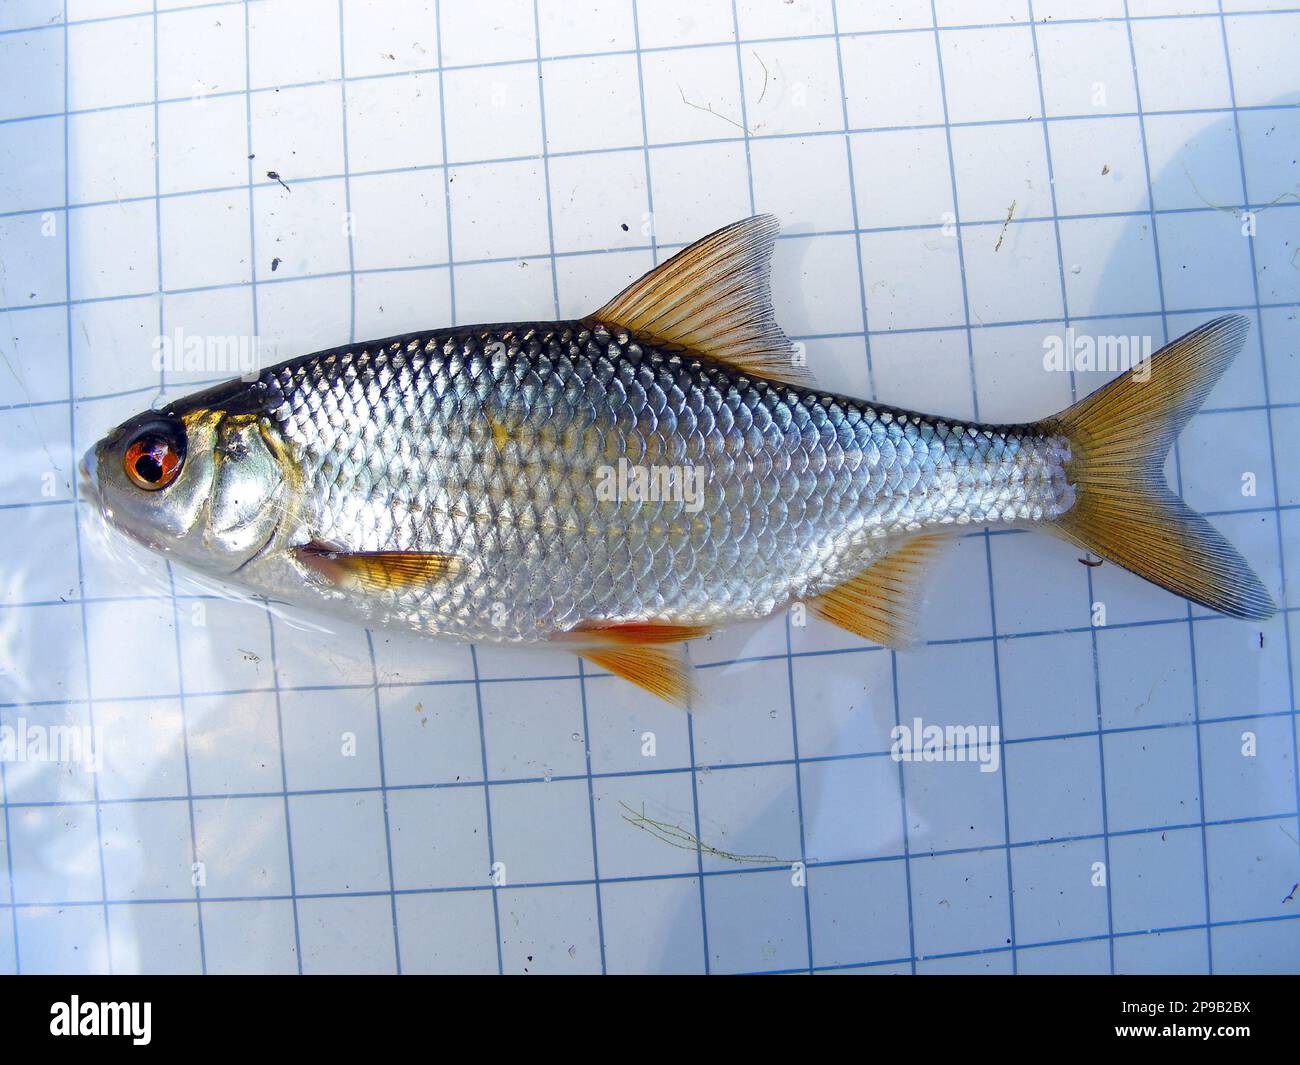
x,y
456,441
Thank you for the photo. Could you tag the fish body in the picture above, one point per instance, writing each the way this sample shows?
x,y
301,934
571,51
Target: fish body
x,y
644,475
530,450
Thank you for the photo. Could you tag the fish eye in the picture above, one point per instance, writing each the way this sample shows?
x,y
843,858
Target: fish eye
x,y
153,460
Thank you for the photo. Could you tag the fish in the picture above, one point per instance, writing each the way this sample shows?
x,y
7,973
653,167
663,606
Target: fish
x,y
619,484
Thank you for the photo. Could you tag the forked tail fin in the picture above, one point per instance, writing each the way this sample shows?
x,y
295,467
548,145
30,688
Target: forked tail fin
x,y
1124,510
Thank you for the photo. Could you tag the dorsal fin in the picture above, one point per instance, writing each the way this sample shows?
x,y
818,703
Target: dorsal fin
x,y
881,603
714,298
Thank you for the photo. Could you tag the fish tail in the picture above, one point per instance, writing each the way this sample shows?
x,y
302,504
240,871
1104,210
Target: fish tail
x,y
1124,510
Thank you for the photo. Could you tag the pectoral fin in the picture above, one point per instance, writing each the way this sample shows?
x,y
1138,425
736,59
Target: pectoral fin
x,y
378,571
882,602
641,652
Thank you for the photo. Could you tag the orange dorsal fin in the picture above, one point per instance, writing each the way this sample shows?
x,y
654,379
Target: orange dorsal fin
x,y
641,652
377,571
715,298
882,602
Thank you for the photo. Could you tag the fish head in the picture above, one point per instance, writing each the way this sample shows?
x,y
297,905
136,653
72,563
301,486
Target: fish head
x,y
203,481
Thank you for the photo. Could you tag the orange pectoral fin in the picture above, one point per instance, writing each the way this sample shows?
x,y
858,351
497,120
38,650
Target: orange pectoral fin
x,y
378,571
640,652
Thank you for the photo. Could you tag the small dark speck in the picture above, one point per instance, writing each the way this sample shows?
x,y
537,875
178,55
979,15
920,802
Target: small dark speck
x,y
275,263
275,176
1105,169
624,227
253,156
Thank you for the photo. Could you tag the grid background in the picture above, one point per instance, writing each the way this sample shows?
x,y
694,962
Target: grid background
x,y
522,159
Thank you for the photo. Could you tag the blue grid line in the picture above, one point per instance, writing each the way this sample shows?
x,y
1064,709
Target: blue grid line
x,y
975,414
789,661
700,872
806,890
583,153
283,793
750,870
352,338
654,258
960,124
645,136
642,878
189,789
270,617
1178,482
690,46
1269,407
81,568
171,577
853,200
9,865
383,793
719,664
555,297
843,756
487,804
983,951
906,816
980,951
739,870
120,17
694,142
871,390
1074,396
842,335
473,653
497,260
1007,24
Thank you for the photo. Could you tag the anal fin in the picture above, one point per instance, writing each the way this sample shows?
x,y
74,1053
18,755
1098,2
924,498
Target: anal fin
x,y
644,653
882,602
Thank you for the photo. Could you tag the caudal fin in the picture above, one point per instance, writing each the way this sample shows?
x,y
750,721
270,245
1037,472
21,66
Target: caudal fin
x,y
1124,510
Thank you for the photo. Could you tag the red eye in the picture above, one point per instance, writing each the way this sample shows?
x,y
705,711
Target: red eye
x,y
152,463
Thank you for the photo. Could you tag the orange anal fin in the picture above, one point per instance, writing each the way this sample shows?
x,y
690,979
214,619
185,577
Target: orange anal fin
x,y
881,604
635,632
640,652
377,571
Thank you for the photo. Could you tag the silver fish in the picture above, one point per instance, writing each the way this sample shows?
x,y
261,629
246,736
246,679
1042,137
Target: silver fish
x,y
642,476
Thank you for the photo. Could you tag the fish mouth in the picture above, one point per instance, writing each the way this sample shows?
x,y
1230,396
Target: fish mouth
x,y
88,492
87,479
